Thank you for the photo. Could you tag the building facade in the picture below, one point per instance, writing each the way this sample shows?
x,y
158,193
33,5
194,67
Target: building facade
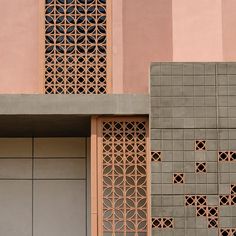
x,y
117,118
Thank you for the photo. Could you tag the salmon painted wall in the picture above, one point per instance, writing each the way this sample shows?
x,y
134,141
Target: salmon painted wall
x,y
143,32
229,29
19,46
197,30
147,36
174,30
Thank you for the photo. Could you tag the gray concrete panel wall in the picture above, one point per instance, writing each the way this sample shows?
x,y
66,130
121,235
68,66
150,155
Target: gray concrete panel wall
x,y
44,185
193,143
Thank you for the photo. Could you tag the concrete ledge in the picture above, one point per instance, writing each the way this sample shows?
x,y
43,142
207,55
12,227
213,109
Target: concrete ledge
x,y
74,105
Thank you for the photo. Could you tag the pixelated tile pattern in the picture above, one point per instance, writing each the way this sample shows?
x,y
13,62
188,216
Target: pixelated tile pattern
x,y
193,121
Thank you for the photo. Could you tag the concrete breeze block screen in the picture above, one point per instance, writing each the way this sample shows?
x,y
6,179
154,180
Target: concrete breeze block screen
x,y
193,147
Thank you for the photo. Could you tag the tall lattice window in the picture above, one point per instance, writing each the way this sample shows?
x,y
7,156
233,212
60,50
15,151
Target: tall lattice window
x,y
76,46
124,186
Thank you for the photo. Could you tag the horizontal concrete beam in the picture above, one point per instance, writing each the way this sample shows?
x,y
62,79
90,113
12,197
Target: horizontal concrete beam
x,y
74,105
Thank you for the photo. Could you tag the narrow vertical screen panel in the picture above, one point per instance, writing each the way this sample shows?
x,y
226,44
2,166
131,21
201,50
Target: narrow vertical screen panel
x,y
123,175
76,46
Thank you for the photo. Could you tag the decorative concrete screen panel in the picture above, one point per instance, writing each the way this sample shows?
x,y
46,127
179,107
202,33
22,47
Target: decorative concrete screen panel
x,y
76,46
123,177
193,143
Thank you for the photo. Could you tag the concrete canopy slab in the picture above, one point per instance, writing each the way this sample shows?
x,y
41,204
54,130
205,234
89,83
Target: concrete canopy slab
x,y
74,105
62,115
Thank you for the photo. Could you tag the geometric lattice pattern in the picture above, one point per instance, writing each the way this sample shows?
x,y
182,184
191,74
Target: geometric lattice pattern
x,y
201,200
162,223
195,200
233,189
190,200
156,156
227,232
202,209
227,156
212,217
200,145
232,156
178,178
75,47
225,200
125,187
200,167
228,199
213,222
223,156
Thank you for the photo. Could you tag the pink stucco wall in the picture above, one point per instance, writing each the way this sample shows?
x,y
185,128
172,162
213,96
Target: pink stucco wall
x,y
19,46
197,30
147,36
117,46
174,30
229,29
142,32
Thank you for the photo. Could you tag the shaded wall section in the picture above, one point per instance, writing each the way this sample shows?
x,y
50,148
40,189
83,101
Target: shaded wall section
x,y
229,30
147,32
19,46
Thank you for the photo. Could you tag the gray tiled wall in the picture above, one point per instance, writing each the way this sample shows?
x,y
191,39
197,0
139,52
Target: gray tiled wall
x,y
43,186
190,102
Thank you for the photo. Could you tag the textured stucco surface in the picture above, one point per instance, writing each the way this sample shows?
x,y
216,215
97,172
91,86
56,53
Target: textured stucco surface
x,y
176,30
157,30
229,31
147,35
19,46
197,30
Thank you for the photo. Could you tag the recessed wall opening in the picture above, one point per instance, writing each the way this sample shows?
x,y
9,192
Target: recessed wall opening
x,y
44,186
44,175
